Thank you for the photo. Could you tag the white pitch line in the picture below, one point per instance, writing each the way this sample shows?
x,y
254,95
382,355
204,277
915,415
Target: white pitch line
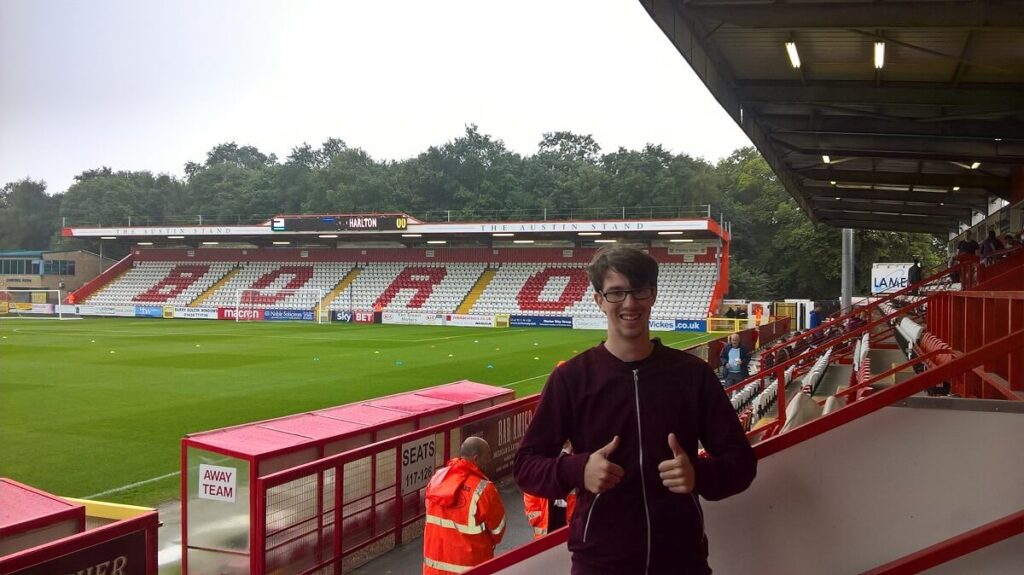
x,y
131,485
514,383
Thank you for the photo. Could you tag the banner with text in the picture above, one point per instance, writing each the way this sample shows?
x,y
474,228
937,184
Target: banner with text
x,y
247,314
289,315
540,321
412,318
691,325
195,312
149,311
107,310
462,320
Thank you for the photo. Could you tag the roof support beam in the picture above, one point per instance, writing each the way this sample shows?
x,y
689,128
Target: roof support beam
x,y
911,147
961,213
974,201
954,14
967,180
1005,128
934,229
866,94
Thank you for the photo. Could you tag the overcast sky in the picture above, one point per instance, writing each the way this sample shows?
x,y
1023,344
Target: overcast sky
x,y
145,85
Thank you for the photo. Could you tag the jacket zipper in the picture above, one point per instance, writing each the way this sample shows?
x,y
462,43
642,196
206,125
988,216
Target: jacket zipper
x,y
643,479
590,512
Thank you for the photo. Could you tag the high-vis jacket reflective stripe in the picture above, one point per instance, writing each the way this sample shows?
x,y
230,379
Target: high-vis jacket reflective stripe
x,y
465,519
537,512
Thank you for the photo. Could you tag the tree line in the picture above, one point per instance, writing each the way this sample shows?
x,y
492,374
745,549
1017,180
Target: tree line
x,y
776,250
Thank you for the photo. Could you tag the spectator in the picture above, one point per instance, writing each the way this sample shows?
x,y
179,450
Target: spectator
x,y
967,245
635,411
734,361
731,312
465,516
1010,241
816,316
989,246
914,273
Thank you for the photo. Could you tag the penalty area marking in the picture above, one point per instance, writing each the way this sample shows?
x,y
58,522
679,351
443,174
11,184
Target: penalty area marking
x,y
132,485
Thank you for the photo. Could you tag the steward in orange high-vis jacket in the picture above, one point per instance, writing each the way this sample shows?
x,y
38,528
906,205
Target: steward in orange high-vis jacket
x,y
465,516
547,515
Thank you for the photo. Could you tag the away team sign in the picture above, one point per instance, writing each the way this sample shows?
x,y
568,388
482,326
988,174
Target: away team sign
x,y
217,483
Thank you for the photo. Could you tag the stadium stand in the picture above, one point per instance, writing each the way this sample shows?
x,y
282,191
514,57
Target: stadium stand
x,y
166,283
530,282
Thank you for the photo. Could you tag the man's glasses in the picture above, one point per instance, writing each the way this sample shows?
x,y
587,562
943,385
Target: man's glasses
x,y
617,296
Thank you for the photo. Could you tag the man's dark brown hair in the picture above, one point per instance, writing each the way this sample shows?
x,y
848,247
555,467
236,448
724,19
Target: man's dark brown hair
x,y
638,267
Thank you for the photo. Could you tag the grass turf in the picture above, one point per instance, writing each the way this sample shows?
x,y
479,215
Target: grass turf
x,y
89,407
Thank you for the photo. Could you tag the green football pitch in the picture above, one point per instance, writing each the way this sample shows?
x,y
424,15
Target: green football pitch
x,y
97,408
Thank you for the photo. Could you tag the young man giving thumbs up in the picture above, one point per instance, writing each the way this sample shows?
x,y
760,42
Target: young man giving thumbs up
x,y
635,411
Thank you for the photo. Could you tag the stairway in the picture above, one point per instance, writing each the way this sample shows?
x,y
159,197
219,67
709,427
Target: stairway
x,y
478,289
213,289
346,281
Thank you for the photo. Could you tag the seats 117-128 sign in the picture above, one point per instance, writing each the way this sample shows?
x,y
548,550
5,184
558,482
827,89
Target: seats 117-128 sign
x,y
345,223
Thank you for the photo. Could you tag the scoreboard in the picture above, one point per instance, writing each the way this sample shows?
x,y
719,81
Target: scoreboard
x,y
340,223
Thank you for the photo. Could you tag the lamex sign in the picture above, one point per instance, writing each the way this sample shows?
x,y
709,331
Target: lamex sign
x,y
250,314
889,277
289,315
662,324
691,325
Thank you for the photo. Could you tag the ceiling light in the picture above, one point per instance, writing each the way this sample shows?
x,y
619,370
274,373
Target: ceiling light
x,y
175,237
412,235
522,241
670,233
956,188
503,235
794,57
975,165
328,236
832,182
145,243
826,159
879,55
282,243
589,233
604,241
437,241
680,241
942,203
210,243
107,238
838,198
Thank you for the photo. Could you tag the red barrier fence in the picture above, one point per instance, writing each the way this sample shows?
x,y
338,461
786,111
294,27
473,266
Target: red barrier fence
x,y
336,513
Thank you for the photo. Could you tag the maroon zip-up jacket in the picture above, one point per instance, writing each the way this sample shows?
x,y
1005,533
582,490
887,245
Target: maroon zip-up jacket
x,y
639,526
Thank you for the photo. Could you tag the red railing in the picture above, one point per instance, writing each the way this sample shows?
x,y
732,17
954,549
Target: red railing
x,y
319,540
969,320
954,547
90,287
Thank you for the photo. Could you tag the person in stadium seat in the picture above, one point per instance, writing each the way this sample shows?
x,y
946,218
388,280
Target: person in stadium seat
x,y
546,515
465,516
734,361
635,411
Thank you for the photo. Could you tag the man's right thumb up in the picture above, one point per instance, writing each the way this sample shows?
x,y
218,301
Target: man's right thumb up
x,y
608,449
